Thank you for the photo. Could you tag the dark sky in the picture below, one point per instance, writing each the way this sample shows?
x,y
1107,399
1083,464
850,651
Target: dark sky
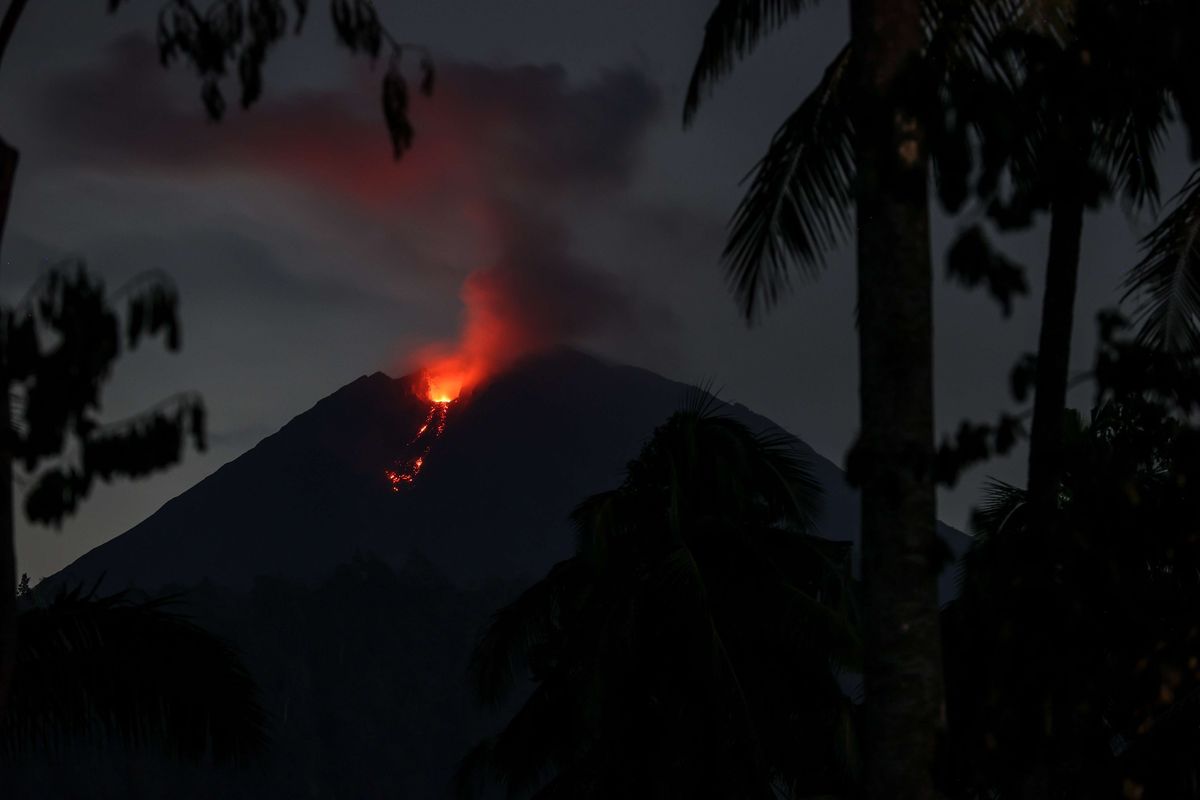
x,y
550,166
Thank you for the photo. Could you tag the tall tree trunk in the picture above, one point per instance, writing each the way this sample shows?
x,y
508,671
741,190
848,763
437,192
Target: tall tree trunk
x,y
1054,352
8,556
1050,397
902,670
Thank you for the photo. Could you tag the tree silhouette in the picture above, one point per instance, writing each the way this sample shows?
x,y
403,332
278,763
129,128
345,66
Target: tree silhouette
x,y
110,669
213,39
1090,89
57,349
1071,652
856,156
686,648
1059,103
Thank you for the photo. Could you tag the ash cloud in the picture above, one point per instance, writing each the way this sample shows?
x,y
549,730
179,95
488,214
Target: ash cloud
x,y
506,159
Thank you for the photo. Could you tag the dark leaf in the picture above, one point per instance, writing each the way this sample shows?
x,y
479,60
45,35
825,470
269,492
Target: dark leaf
x,y
732,32
1166,281
214,101
1022,377
395,111
427,76
199,430
301,13
250,72
799,202
972,261
22,347
55,495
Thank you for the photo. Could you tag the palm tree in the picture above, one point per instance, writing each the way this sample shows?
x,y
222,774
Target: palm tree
x,y
1094,87
862,141
1074,101
106,670
688,647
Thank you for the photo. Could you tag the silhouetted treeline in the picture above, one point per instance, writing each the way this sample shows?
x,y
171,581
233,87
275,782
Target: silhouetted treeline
x,y
363,679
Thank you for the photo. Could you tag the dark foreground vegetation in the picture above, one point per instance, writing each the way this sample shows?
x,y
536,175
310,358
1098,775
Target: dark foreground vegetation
x,y
360,687
702,641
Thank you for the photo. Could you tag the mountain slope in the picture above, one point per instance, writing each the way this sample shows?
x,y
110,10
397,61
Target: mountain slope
x,y
490,504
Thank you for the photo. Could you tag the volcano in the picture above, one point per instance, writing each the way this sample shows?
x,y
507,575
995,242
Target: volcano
x,y
356,596
491,503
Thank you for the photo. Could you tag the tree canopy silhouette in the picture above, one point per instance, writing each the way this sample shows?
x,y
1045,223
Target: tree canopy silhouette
x,y
113,669
690,646
1071,652
864,141
57,349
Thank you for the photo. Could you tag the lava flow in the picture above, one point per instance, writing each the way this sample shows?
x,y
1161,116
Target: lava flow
x,y
441,395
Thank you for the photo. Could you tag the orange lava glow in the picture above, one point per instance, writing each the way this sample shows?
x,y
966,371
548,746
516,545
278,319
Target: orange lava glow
x,y
405,470
446,378
443,388
495,333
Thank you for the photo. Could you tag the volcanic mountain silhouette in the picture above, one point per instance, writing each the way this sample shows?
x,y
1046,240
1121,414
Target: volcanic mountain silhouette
x,y
491,502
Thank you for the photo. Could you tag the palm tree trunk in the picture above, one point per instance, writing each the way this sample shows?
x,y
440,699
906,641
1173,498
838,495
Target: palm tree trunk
x,y
1054,351
902,670
8,557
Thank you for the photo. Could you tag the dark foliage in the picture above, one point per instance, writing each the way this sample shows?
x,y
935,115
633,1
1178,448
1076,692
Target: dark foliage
x,y
972,261
1167,279
113,670
733,31
799,201
362,677
61,344
1071,655
689,646
236,36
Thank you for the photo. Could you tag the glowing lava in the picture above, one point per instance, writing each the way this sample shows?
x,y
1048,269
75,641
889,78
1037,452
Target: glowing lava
x,y
444,389
404,472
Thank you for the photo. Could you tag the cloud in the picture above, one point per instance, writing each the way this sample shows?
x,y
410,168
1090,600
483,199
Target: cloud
x,y
506,159
486,125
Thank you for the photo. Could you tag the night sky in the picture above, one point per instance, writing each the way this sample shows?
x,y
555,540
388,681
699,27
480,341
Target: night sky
x,y
550,177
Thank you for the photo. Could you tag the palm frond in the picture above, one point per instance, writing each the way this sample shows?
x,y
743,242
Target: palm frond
x,y
783,470
1129,147
1001,502
701,400
1167,279
473,770
556,725
96,670
575,782
653,612
732,32
802,615
963,33
799,201
523,753
522,624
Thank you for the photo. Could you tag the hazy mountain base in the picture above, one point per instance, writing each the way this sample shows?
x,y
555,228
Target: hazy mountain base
x,y
365,678
492,503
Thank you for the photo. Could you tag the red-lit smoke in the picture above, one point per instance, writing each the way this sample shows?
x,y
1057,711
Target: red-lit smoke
x,y
491,339
509,165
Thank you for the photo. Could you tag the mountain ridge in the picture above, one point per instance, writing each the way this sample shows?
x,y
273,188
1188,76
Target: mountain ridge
x,y
491,503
